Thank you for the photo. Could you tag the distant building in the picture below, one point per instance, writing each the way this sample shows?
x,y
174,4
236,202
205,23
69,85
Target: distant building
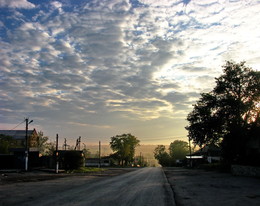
x,y
95,162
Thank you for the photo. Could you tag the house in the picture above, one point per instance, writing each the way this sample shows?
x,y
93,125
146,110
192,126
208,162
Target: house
x,y
18,149
212,153
96,162
19,137
207,154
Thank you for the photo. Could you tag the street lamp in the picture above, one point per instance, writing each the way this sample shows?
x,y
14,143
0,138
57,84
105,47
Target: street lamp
x,y
26,143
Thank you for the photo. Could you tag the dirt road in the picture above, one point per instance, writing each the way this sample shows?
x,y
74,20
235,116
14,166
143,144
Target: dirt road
x,y
198,187
146,186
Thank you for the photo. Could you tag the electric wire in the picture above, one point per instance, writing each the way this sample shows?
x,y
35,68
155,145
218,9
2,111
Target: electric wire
x,y
18,125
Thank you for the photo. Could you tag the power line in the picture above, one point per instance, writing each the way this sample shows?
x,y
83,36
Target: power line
x,y
161,138
18,124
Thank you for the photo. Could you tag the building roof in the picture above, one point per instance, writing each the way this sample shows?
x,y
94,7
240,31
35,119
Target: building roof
x,y
194,157
208,150
17,134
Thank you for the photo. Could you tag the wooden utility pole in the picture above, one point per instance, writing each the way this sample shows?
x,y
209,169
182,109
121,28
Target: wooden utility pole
x,y
57,154
77,144
65,144
140,159
26,143
79,141
99,154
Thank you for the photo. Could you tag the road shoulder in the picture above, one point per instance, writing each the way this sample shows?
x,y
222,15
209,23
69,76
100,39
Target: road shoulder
x,y
16,176
198,187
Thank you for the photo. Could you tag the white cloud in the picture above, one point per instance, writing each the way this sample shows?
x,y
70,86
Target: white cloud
x,y
57,5
20,4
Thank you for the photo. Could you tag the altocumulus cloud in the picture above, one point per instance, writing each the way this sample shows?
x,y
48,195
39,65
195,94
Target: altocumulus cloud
x,y
21,4
99,68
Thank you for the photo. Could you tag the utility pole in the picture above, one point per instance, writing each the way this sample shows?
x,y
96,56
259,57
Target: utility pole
x,y
140,159
65,144
79,142
26,143
77,147
99,154
57,154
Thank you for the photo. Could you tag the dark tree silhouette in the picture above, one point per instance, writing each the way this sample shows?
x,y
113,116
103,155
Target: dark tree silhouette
x,y
178,150
124,147
229,114
162,156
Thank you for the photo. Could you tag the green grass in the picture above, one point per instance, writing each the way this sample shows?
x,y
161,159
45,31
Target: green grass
x,y
86,170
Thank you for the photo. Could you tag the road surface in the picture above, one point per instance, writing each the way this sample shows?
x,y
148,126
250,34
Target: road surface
x,y
145,186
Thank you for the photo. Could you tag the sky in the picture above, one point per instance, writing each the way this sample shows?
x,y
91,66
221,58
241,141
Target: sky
x,y
100,68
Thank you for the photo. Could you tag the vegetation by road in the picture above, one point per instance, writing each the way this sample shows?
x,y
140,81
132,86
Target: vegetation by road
x,y
229,115
124,147
177,151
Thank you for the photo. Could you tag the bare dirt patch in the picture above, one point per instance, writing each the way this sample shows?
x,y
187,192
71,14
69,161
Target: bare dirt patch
x,y
198,187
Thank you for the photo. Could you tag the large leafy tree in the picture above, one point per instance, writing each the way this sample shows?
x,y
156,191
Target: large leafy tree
x,y
124,147
229,114
205,127
42,143
162,156
46,147
178,150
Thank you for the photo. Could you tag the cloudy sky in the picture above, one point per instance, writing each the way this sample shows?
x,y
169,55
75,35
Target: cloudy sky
x,y
98,68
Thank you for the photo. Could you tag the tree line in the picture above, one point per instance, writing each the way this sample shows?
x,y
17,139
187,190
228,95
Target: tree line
x,y
123,147
175,155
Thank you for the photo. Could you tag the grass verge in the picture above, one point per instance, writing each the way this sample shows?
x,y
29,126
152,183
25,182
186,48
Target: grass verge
x,y
86,170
